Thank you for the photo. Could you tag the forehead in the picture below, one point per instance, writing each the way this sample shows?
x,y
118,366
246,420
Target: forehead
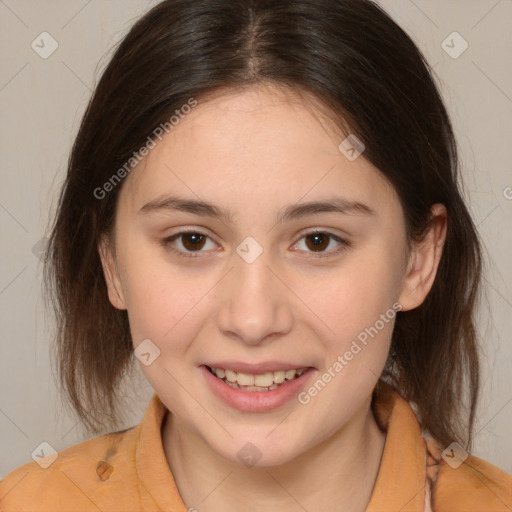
x,y
256,143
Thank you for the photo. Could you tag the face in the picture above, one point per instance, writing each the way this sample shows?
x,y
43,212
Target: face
x,y
260,282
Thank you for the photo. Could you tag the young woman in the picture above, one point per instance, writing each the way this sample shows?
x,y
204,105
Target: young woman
x,y
262,210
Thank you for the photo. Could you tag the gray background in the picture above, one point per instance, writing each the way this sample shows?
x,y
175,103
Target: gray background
x,y
42,101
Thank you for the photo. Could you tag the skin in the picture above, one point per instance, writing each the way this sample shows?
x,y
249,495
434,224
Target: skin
x,y
255,152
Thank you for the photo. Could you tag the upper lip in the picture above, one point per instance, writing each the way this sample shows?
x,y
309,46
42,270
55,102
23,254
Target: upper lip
x,y
255,369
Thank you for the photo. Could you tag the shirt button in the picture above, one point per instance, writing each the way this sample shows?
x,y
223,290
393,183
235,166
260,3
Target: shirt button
x,y
104,470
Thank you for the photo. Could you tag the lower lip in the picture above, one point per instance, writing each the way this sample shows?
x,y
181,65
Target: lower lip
x,y
256,401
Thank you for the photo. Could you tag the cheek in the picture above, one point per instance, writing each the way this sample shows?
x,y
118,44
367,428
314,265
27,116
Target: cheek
x,y
353,297
168,303
162,299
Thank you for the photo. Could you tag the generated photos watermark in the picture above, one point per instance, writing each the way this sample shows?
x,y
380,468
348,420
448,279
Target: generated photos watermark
x,y
151,143
305,397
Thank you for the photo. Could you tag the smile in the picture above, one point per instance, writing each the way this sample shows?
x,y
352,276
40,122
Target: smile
x,y
256,392
260,382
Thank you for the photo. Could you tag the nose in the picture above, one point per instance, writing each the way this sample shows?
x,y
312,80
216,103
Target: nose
x,y
255,305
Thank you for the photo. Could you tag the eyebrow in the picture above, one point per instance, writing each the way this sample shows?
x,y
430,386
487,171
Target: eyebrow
x,y
204,208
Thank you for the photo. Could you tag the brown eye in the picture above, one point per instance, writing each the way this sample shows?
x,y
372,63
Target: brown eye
x,y
321,244
188,243
317,241
193,241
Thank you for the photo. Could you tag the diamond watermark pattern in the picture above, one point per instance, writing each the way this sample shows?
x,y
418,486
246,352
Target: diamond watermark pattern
x,y
249,250
454,455
454,45
44,454
44,45
39,249
146,352
352,147
249,455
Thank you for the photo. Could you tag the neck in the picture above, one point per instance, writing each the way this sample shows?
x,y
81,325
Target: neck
x,y
337,474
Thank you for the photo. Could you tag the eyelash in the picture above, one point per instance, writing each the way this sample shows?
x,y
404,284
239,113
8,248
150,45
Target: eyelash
x,y
344,244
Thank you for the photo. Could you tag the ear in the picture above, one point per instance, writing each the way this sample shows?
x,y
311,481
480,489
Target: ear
x,y
111,273
424,261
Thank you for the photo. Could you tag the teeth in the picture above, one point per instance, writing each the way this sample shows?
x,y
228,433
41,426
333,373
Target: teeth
x,y
290,374
264,380
230,375
245,379
261,382
251,388
279,376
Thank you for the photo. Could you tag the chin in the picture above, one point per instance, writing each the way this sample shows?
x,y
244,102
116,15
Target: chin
x,y
258,451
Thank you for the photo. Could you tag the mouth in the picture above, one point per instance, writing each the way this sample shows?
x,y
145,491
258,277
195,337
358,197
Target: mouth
x,y
267,381
256,392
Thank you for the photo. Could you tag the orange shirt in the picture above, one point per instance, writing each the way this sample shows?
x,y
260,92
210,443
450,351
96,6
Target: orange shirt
x,y
127,471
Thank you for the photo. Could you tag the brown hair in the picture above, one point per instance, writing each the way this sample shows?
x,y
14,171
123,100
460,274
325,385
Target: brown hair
x,y
366,71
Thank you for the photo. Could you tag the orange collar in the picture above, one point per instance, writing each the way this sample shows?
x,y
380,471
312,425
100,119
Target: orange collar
x,y
400,483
